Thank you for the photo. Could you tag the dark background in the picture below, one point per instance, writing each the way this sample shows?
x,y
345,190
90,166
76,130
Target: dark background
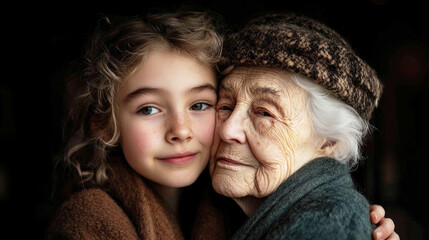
x,y
39,41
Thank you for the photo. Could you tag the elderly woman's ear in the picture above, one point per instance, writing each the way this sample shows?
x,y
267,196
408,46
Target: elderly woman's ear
x,y
328,148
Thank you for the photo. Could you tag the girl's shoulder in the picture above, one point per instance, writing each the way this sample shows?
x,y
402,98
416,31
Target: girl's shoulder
x,y
92,199
91,213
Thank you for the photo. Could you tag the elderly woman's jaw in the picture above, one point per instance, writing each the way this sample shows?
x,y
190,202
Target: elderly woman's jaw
x,y
263,133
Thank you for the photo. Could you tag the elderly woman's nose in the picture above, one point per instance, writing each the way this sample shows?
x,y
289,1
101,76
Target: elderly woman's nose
x,y
232,129
179,129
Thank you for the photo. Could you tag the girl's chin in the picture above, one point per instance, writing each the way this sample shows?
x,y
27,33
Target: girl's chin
x,y
180,184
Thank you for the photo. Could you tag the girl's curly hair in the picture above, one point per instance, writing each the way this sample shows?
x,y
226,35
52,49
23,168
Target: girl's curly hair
x,y
114,52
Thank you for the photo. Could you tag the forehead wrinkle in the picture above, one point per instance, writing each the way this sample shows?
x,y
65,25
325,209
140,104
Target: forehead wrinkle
x,y
232,84
223,86
266,91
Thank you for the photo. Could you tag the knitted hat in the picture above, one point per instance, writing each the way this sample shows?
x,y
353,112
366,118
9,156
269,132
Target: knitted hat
x,y
304,46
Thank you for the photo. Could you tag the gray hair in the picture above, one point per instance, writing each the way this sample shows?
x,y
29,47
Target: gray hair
x,y
338,122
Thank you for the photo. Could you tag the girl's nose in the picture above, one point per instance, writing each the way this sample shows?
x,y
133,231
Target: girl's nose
x,y
179,129
232,129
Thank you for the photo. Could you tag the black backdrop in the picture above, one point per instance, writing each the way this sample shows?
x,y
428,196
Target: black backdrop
x,y
39,41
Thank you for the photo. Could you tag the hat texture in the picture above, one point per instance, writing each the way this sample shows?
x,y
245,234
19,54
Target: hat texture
x,y
307,47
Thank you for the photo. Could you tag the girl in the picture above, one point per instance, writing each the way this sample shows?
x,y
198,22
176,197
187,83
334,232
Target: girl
x,y
145,111
141,129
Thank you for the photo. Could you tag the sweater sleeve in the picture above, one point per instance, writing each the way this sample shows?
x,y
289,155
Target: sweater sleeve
x,y
326,214
91,214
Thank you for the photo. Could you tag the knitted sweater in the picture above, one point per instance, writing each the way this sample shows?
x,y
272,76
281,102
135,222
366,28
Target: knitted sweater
x,y
318,201
127,208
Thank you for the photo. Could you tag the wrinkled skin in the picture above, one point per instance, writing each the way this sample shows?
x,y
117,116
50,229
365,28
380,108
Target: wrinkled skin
x,y
264,133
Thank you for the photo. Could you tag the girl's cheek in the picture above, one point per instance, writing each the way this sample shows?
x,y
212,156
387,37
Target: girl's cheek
x,y
140,139
137,138
205,130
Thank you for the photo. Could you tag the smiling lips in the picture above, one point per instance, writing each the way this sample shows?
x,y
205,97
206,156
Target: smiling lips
x,y
180,158
228,161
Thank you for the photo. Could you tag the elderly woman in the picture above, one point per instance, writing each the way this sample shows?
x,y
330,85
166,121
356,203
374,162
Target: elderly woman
x,y
293,110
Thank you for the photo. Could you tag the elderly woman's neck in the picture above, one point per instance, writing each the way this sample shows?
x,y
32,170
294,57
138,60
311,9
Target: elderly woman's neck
x,y
249,204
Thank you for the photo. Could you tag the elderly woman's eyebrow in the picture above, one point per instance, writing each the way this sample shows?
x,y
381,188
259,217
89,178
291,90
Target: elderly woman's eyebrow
x,y
266,90
225,87
254,90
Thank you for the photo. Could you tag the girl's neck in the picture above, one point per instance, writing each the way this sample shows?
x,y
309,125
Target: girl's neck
x,y
170,195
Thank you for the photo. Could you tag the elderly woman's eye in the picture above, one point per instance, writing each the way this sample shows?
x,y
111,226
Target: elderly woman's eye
x,y
266,114
263,112
225,108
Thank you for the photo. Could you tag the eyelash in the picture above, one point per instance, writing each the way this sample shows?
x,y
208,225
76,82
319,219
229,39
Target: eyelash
x,y
259,111
263,112
140,111
146,107
201,103
225,108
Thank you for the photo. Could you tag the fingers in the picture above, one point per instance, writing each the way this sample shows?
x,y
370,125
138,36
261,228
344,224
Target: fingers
x,y
385,230
394,236
376,213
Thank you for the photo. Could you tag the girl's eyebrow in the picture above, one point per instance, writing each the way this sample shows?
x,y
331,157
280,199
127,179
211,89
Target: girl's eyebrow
x,y
148,90
202,88
141,91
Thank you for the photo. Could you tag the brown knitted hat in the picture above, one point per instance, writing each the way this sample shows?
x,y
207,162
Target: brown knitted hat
x,y
302,45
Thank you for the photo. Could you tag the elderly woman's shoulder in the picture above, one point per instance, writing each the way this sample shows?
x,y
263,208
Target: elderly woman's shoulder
x,y
326,213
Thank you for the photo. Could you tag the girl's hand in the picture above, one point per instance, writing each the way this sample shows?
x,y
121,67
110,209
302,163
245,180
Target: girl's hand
x,y
386,226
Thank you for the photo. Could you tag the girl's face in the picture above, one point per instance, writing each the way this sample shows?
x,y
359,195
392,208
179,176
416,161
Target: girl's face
x,y
167,118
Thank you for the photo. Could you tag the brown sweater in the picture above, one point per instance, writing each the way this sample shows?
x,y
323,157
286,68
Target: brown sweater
x,y
127,209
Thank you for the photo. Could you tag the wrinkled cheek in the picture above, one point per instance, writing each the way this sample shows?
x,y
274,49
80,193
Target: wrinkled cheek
x,y
234,184
275,161
214,147
269,178
212,162
273,170
274,147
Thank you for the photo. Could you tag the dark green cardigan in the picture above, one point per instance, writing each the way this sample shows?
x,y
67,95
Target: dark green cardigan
x,y
319,201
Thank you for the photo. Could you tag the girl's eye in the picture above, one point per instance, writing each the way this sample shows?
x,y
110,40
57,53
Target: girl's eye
x,y
199,107
148,110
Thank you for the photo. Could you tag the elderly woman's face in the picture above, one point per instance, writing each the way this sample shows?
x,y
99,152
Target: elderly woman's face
x,y
263,132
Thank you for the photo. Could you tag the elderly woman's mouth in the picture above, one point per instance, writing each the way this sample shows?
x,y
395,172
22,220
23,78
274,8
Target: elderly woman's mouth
x,y
228,161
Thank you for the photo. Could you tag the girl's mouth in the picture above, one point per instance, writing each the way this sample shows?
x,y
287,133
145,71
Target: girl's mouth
x,y
180,158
